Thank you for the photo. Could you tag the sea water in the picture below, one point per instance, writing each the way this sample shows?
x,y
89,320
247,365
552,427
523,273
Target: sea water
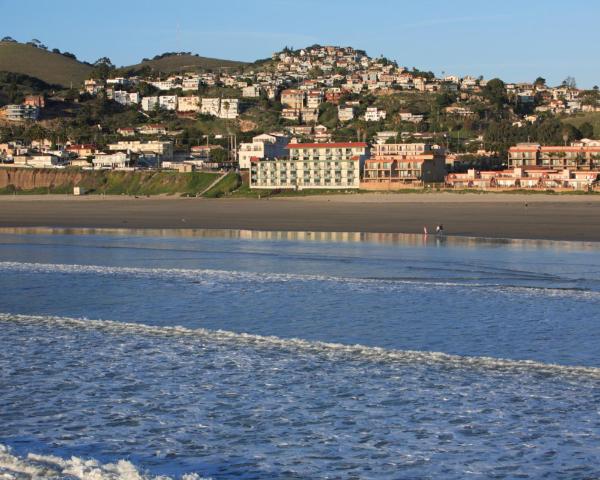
x,y
270,356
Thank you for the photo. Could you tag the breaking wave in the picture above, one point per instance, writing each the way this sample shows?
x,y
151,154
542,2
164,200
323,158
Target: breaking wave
x,y
49,467
333,351
211,276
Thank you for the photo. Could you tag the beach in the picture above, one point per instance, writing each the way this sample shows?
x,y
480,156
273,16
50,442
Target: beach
x,y
552,217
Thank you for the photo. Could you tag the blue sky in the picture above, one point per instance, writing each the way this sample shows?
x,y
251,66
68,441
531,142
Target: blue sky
x,y
516,40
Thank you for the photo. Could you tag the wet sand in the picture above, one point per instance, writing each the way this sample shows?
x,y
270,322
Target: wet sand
x,y
494,215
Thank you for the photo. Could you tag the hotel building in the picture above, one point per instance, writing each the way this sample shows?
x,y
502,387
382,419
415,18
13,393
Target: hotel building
x,y
311,166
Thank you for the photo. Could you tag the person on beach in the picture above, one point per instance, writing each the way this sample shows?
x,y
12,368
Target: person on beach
x,y
439,230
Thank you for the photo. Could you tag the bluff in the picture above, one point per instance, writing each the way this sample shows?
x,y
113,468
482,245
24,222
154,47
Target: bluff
x,y
25,180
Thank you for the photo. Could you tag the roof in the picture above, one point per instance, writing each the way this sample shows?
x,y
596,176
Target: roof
x,y
327,145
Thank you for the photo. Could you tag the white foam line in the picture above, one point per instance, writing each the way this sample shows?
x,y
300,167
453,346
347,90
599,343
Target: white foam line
x,y
48,467
333,351
228,275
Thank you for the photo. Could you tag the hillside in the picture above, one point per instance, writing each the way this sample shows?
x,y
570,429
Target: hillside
x,y
52,68
179,63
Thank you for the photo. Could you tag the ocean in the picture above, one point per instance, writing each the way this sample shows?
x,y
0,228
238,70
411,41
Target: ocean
x,y
236,354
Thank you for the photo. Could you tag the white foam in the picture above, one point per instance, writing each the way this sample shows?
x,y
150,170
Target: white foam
x,y
48,467
212,275
334,351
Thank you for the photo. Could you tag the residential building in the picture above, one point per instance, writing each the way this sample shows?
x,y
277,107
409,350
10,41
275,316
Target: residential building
x,y
37,161
188,104
150,103
152,129
190,84
293,98
35,101
292,114
527,177
19,113
164,149
168,102
126,131
125,98
398,165
210,106
251,91
82,150
311,165
373,114
93,87
229,108
113,161
270,145
345,114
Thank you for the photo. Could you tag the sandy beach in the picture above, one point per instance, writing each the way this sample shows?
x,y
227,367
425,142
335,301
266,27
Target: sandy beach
x,y
493,215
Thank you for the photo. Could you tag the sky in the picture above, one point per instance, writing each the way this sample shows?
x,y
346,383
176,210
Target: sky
x,y
516,40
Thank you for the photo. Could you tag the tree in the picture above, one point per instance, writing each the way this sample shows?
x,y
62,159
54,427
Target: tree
x,y
495,92
8,39
587,130
569,82
540,82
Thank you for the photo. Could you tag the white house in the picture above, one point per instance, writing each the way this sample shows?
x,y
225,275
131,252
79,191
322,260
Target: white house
x,y
168,102
267,145
149,103
111,160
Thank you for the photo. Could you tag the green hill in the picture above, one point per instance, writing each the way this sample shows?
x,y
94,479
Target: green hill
x,y
52,68
181,63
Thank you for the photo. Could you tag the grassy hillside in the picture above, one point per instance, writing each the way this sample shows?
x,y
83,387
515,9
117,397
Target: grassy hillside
x,y
590,117
52,68
36,181
179,63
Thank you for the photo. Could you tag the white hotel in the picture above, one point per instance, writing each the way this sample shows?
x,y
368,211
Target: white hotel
x,y
311,166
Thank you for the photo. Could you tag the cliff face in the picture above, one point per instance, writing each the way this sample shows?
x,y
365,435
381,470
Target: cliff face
x,y
32,179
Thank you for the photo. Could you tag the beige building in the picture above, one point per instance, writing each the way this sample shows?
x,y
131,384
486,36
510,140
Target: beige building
x,y
311,166
398,165
293,98
160,148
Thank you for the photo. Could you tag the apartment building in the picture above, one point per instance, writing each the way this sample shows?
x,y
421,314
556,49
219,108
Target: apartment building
x,y
210,106
188,104
528,177
293,98
168,102
579,155
270,145
311,165
251,91
118,160
20,113
149,103
398,165
37,161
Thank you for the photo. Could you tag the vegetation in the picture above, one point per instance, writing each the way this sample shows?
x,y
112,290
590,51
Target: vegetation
x,y
123,183
51,68
177,62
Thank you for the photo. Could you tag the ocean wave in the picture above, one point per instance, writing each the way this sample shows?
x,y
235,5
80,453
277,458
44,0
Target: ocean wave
x,y
212,276
333,351
49,467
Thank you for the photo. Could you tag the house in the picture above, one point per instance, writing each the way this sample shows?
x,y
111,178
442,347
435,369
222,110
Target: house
x,y
311,165
93,87
345,114
37,161
126,131
400,165
262,146
125,98
190,84
82,150
118,160
229,108
152,129
35,101
163,149
373,114
293,98
292,114
410,117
